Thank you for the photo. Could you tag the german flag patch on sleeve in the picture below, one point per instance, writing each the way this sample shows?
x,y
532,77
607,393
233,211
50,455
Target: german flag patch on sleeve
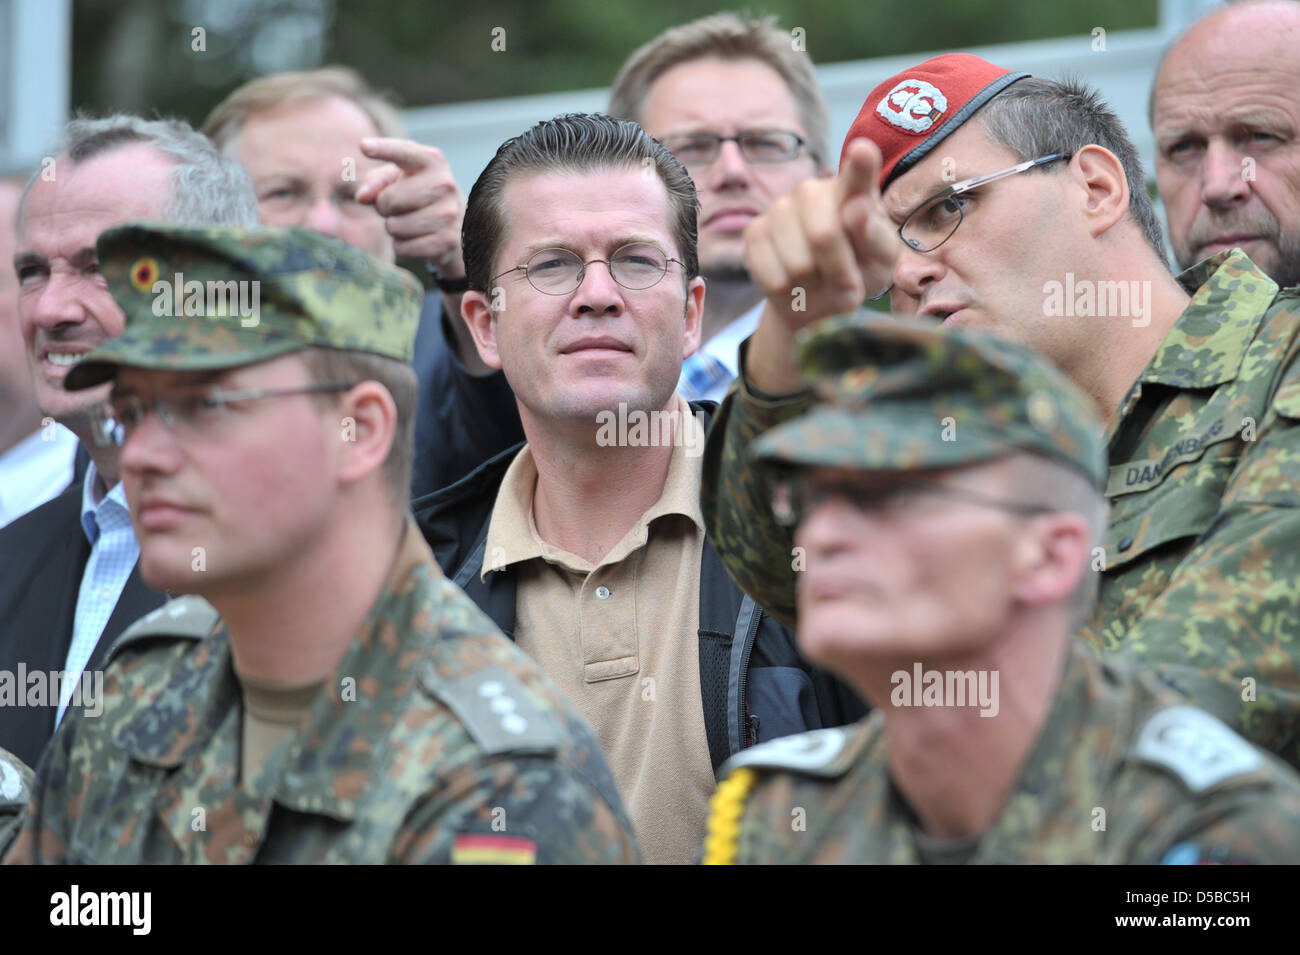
x,y
493,849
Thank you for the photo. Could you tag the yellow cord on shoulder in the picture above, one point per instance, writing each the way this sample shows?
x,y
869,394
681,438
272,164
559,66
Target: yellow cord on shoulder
x,y
722,842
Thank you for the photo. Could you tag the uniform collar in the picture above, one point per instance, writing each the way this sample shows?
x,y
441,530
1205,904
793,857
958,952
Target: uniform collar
x,y
1230,297
1084,723
330,765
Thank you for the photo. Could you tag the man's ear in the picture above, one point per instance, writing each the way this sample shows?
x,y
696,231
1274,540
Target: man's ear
x,y
1051,558
694,316
1107,193
367,430
476,309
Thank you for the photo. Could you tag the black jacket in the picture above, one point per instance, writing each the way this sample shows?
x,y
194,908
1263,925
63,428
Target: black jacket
x,y
43,555
754,684
461,419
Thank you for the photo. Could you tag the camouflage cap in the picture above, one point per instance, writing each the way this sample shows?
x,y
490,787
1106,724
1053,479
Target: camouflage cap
x,y
893,394
213,297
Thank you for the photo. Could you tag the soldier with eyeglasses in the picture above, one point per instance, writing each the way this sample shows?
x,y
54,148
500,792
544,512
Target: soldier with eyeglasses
x,y
322,694
586,543
982,198
946,489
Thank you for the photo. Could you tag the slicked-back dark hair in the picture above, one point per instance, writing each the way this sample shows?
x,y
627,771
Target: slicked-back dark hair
x,y
574,143
1033,117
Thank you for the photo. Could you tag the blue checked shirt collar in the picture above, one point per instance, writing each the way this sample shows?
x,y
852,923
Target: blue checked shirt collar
x,y
708,373
110,512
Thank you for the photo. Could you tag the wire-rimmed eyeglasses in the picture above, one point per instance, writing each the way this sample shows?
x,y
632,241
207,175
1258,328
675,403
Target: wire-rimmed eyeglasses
x,y
636,266
115,421
794,497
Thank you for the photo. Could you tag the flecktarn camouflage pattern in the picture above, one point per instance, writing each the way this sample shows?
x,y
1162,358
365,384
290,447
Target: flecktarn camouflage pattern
x,y
1201,567
1122,772
15,790
435,740
200,298
1202,556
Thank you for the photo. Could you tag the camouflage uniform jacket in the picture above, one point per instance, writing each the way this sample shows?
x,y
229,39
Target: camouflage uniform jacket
x,y
1201,565
435,740
1122,772
15,790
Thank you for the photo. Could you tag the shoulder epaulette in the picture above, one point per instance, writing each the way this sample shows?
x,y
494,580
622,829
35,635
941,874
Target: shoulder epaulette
x,y
14,776
825,753
186,618
496,709
1196,747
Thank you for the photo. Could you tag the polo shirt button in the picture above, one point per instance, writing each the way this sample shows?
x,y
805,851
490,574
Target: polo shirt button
x,y
1126,543
602,593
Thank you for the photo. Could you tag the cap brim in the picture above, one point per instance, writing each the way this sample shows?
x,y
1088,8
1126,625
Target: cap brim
x,y
196,345
833,437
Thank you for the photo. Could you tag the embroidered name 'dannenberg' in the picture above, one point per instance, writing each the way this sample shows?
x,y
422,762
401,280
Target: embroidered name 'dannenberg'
x,y
914,105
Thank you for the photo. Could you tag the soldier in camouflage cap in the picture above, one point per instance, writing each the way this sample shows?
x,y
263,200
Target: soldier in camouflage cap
x,y
198,299
945,489
1000,397
338,700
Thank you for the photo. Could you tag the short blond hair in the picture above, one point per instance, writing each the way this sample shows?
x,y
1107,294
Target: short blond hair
x,y
225,122
727,36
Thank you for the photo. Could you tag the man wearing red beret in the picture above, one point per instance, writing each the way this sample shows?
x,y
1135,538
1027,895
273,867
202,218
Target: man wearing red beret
x,y
1022,209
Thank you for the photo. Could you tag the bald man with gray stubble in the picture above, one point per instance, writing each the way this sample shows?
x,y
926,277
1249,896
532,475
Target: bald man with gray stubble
x,y
1225,110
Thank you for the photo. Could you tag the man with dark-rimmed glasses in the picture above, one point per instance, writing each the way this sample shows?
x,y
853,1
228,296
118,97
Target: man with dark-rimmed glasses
x,y
738,103
1022,210
586,544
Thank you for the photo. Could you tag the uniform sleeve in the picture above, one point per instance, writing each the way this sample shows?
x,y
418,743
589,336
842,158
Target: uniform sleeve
x,y
1223,630
1253,826
517,810
737,499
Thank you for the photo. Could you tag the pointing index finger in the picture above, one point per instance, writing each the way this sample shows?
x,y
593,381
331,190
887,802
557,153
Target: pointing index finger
x,y
860,173
376,181
407,153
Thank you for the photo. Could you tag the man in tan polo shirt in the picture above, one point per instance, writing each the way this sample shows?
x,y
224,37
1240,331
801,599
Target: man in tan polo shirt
x,y
586,544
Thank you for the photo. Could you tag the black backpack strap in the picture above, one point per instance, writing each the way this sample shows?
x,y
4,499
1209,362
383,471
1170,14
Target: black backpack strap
x,y
721,603
742,647
494,596
473,563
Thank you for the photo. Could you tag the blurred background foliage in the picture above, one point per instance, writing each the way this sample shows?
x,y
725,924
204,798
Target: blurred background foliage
x,y
145,56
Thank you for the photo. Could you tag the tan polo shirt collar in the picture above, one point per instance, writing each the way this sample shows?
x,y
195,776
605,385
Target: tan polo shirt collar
x,y
512,533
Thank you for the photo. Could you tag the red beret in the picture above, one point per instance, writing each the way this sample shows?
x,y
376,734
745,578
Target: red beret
x,y
912,112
